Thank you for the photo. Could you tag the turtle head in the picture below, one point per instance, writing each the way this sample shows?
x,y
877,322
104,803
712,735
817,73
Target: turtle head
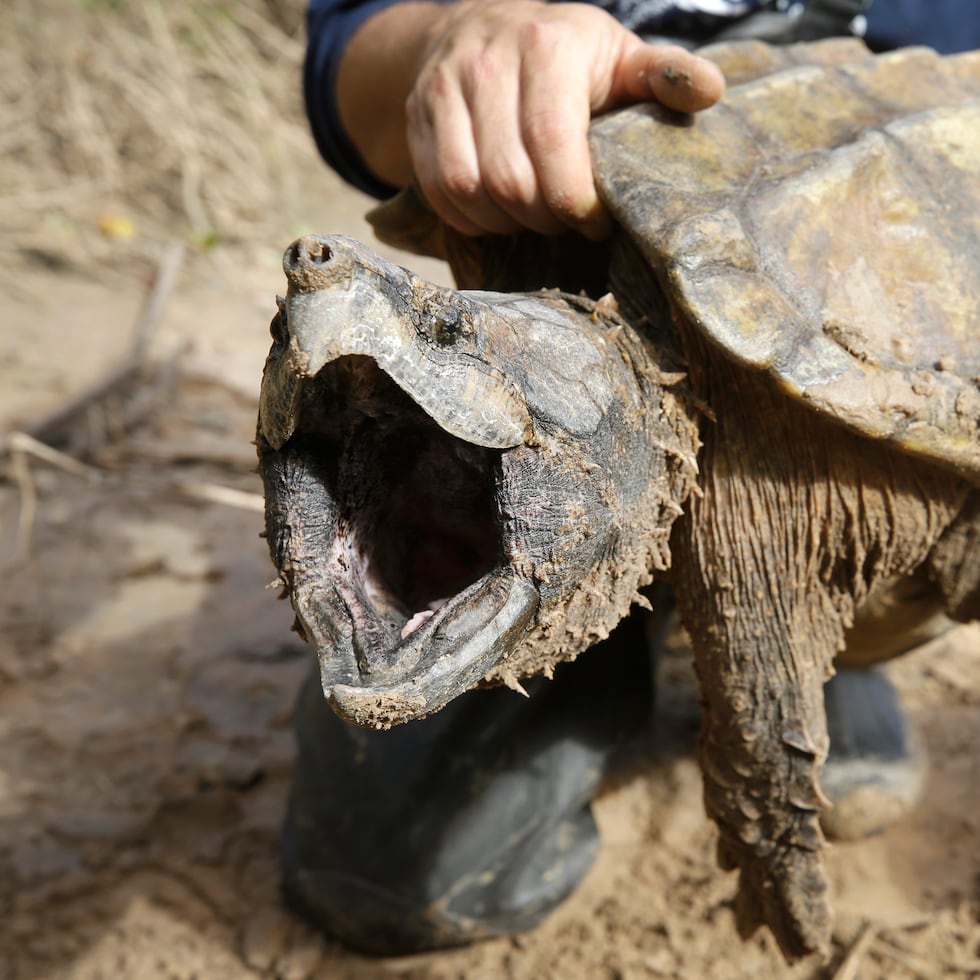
x,y
443,471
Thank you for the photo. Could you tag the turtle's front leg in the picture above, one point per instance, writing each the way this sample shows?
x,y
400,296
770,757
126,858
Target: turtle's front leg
x,y
749,560
764,642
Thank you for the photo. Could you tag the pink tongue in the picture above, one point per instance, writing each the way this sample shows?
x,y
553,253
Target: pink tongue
x,y
416,621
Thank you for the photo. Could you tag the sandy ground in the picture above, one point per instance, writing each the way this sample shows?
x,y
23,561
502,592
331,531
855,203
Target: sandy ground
x,y
147,677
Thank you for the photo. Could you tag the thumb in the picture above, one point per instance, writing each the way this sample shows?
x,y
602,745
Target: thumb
x,y
671,75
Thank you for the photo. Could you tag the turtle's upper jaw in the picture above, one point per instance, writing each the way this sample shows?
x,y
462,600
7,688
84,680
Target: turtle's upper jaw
x,y
383,432
343,299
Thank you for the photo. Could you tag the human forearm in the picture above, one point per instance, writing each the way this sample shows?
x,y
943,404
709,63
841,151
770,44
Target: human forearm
x,y
376,74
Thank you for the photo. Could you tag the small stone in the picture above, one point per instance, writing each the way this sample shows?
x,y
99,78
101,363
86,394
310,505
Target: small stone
x,y
302,961
266,937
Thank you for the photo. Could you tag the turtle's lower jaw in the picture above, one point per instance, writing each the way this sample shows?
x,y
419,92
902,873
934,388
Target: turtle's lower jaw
x,y
448,654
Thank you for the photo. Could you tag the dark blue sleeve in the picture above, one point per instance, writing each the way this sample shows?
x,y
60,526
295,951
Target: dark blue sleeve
x,y
946,25
330,25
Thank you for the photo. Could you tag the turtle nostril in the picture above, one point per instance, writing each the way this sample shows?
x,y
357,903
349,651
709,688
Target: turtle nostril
x,y
292,257
307,250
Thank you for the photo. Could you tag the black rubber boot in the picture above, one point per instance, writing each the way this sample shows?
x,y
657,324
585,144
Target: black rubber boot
x,y
472,823
876,767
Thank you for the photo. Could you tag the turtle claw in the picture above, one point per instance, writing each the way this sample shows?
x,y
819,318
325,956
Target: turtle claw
x,y
789,896
775,843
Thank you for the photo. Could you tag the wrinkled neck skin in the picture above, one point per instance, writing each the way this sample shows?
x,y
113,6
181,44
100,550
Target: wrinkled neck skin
x,y
461,487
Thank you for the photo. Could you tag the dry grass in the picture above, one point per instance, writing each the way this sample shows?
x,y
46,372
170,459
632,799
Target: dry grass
x,y
128,122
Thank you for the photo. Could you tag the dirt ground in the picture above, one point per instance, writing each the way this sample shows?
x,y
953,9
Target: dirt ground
x,y
147,673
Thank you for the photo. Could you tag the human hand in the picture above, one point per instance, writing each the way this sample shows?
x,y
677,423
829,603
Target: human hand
x,y
498,116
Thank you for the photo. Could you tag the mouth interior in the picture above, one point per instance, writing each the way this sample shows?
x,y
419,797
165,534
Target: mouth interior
x,y
417,508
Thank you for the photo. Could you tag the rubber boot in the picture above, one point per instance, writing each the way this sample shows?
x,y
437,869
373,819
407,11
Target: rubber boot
x,y
469,824
876,767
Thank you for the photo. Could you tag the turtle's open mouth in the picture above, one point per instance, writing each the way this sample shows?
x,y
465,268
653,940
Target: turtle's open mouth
x,y
396,546
417,519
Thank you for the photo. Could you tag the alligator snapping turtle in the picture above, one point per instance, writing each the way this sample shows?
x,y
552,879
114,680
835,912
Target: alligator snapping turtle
x,y
792,429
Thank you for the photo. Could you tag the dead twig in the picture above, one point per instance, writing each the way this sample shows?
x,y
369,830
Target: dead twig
x,y
216,494
150,315
21,447
27,515
36,441
154,388
52,427
852,962
911,963
220,453
23,444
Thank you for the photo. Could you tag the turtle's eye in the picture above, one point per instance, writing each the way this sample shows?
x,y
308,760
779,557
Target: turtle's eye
x,y
445,328
443,323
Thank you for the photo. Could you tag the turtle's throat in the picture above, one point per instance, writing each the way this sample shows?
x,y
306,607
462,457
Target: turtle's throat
x,y
417,517
417,543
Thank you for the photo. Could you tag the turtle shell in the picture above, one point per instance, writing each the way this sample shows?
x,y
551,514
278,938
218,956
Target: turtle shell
x,y
822,224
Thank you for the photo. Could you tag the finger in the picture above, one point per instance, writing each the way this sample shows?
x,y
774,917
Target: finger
x,y
440,142
555,122
508,175
422,148
674,76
